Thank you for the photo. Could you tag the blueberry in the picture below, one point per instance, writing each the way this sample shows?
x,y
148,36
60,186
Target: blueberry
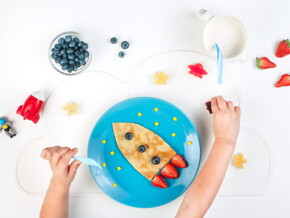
x,y
125,44
64,67
61,41
114,40
87,54
80,43
121,54
142,148
53,56
63,61
71,57
63,51
77,64
64,56
76,40
85,46
128,136
82,56
82,50
65,46
83,62
57,60
155,160
77,53
77,60
75,68
68,38
71,62
70,51
72,44
58,54
76,47
58,46
54,51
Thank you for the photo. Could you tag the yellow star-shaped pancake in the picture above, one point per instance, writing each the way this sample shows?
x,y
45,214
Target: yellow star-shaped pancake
x,y
161,78
119,168
71,108
156,123
239,160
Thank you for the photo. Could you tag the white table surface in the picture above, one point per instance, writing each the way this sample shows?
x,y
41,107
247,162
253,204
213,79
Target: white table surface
x,y
27,28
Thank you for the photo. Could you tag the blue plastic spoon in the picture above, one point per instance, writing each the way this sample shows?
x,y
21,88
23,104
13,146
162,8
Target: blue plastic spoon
x,y
87,161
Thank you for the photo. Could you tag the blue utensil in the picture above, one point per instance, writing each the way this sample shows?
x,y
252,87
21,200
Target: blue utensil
x,y
219,63
87,161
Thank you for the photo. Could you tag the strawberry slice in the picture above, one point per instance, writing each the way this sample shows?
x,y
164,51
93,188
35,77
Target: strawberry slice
x,y
169,171
283,48
158,181
197,70
264,63
284,81
178,161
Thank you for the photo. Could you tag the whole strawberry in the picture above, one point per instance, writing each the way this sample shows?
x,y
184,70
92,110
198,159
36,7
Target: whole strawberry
x,y
264,63
283,48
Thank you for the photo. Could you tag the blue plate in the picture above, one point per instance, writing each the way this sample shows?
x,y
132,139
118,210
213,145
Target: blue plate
x,y
118,178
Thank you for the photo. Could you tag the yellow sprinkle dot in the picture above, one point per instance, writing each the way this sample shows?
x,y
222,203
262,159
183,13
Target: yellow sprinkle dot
x,y
104,141
156,109
189,143
139,114
174,118
156,123
115,185
118,168
173,134
160,78
104,164
112,153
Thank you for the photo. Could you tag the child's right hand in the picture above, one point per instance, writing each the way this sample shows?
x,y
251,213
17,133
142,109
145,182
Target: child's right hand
x,y
226,120
59,158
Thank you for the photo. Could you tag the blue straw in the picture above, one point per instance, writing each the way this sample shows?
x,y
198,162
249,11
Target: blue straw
x,y
219,63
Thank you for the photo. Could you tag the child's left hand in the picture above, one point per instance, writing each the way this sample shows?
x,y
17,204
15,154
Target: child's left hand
x,y
59,158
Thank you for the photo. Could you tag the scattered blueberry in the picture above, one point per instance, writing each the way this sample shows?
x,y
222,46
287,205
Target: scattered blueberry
x,y
128,136
68,38
114,40
125,44
155,160
141,148
70,53
121,54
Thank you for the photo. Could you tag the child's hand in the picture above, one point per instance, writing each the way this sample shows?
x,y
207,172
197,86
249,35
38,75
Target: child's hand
x,y
59,158
226,120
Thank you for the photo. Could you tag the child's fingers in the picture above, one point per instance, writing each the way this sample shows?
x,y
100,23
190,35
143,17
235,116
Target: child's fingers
x,y
237,109
221,103
230,105
214,105
73,169
47,152
57,155
65,159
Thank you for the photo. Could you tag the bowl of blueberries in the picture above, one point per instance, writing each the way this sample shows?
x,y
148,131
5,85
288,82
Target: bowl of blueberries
x,y
69,53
